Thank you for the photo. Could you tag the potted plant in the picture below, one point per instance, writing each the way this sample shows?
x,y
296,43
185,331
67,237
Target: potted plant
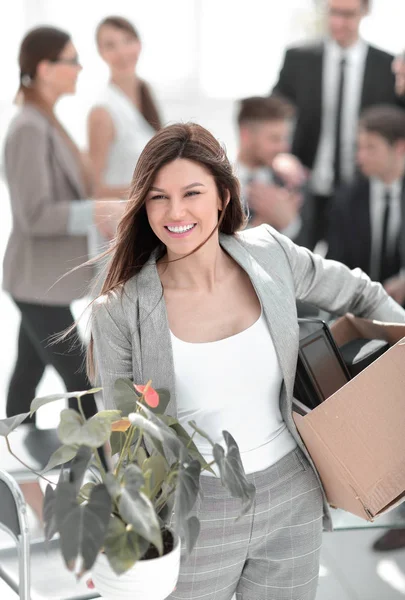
x,y
119,524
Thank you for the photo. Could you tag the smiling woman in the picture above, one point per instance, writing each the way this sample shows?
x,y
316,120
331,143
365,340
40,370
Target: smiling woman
x,y
208,312
178,210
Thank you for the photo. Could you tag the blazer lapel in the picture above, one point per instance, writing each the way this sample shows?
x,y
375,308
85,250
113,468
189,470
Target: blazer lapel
x,y
276,303
369,80
317,81
154,332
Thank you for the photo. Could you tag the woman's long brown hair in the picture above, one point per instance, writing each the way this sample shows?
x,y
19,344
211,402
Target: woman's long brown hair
x,y
148,106
135,241
46,43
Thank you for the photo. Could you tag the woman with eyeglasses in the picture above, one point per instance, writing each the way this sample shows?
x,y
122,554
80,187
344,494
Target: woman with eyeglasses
x,y
50,189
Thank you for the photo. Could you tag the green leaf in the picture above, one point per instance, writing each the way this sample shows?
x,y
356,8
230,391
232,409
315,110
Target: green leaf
x,y
62,455
82,528
170,439
201,432
191,532
141,456
125,397
141,422
168,420
134,507
191,447
187,488
85,491
79,466
159,468
117,441
232,473
48,513
164,399
123,547
38,402
8,425
73,429
109,415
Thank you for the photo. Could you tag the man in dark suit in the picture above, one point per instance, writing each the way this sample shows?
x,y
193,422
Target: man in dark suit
x,y
367,218
330,83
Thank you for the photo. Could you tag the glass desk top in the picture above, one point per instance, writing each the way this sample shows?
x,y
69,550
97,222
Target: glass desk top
x,y
344,521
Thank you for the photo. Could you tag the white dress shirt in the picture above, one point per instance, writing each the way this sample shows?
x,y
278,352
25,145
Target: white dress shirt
x,y
355,57
378,190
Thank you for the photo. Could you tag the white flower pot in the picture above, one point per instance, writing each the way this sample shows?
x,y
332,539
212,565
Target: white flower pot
x,y
153,579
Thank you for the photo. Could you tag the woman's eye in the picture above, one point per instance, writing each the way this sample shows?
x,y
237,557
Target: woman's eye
x,y
192,193
157,197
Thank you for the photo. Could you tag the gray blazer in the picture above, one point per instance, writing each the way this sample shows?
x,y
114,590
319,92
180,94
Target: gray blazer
x,y
131,333
44,179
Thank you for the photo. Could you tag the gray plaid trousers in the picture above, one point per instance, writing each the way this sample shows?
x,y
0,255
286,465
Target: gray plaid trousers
x,y
270,554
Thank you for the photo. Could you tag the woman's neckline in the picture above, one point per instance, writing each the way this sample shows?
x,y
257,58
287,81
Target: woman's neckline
x,y
226,339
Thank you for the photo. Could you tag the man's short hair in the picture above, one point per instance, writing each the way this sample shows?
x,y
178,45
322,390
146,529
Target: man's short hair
x,y
386,120
258,109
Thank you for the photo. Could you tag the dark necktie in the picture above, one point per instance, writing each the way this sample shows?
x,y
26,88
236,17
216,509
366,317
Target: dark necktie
x,y
385,255
338,125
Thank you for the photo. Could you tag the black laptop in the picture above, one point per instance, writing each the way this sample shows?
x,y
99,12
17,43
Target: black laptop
x,y
321,370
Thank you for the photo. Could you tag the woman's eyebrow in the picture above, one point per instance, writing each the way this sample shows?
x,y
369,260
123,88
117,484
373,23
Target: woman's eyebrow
x,y
186,187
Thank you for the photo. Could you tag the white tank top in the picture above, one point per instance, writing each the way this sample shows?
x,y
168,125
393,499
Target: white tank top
x,y
234,384
132,133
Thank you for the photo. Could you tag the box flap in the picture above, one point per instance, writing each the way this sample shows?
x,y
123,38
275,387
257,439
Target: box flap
x,y
349,327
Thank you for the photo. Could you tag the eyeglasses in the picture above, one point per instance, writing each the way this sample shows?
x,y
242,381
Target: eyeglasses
x,y
67,61
344,14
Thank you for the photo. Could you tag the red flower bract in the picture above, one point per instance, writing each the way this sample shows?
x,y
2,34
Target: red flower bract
x,y
151,396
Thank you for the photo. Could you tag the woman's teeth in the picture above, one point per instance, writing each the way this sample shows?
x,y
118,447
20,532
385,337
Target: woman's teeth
x,y
181,229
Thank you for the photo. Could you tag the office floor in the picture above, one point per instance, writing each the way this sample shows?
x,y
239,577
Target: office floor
x,y
349,569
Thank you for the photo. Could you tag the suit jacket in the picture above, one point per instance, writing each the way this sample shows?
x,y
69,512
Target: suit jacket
x,y
43,179
349,226
131,331
300,81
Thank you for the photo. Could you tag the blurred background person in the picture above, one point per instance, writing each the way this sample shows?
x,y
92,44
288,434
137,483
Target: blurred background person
x,y
330,83
50,187
367,219
271,179
125,116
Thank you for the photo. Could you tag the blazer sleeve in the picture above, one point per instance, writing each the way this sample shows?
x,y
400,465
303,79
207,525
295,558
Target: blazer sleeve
x,y
285,85
112,346
35,210
332,286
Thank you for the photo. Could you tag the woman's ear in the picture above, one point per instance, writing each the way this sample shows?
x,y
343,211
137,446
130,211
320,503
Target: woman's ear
x,y
224,203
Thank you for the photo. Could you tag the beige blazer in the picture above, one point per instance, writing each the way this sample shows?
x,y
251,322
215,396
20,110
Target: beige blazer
x,y
131,332
43,179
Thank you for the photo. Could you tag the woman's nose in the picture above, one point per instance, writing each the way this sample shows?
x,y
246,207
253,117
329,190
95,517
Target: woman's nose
x,y
176,209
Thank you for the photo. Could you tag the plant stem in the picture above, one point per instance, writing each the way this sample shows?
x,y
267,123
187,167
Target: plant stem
x,y
127,445
100,464
95,450
25,464
80,405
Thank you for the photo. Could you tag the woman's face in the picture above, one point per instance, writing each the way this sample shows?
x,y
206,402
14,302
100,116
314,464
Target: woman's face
x,y
182,206
119,49
61,74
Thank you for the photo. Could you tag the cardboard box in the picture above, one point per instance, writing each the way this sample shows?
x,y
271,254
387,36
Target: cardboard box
x,y
356,437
